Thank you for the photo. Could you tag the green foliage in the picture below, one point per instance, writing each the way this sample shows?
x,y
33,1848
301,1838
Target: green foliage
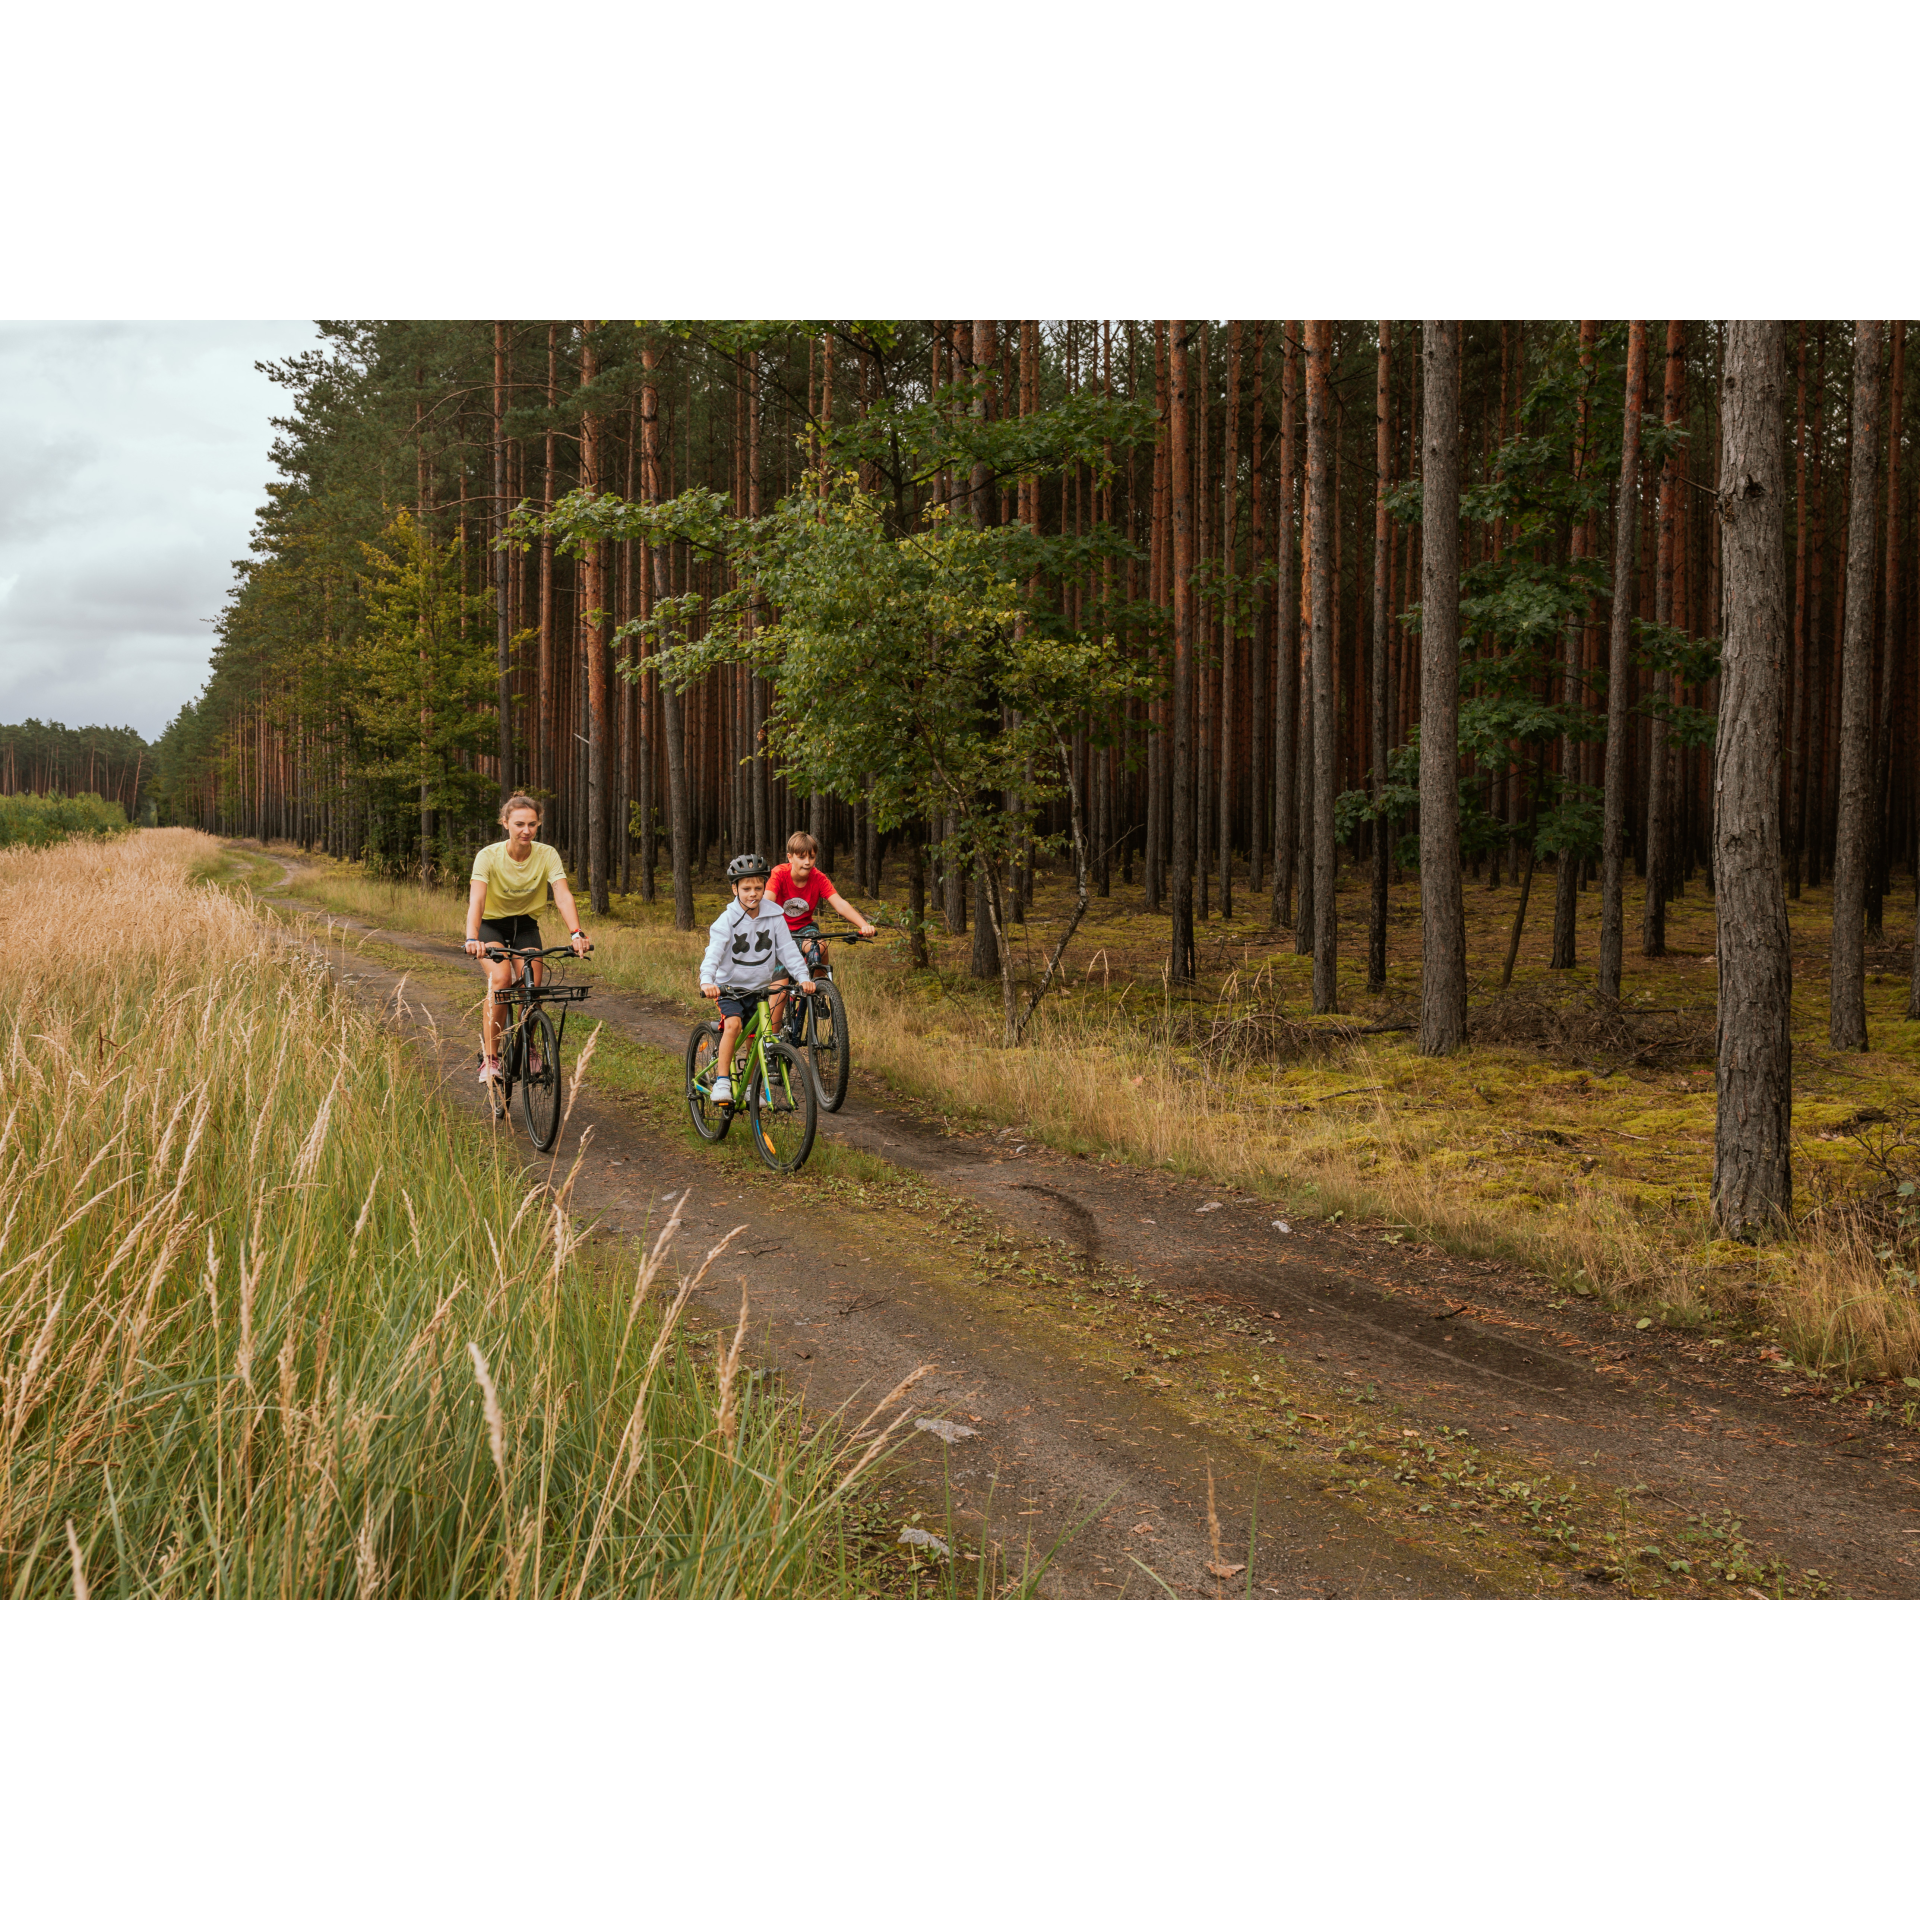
x,y
39,820
919,673
424,673
1516,608
915,439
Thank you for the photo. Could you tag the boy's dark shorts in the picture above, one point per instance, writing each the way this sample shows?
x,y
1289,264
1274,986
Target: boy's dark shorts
x,y
741,1008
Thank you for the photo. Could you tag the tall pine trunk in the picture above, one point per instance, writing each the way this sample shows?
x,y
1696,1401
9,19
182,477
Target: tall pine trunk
x,y
1443,925
1752,1158
1286,633
1180,866
757,686
593,644
502,618
1567,877
1879,859
1258,663
1377,918
547,725
1653,921
1229,493
1613,850
672,716
1797,677
1847,1015
1326,932
991,959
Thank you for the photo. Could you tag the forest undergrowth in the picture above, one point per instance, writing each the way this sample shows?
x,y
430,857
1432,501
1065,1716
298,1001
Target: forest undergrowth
x,y
1570,1136
273,1322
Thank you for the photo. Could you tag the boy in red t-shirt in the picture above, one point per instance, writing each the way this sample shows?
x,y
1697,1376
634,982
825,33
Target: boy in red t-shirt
x,y
800,890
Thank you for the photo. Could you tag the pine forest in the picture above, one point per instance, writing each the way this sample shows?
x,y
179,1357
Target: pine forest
x,y
1409,823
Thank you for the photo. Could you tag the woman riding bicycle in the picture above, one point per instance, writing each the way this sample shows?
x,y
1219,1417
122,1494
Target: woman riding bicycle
x,y
510,880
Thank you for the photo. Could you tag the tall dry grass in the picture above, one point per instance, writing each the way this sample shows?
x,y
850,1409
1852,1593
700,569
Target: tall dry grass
x,y
1121,1075
271,1323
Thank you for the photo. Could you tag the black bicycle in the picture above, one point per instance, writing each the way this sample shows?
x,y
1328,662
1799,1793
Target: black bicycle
x,y
815,1025
530,1052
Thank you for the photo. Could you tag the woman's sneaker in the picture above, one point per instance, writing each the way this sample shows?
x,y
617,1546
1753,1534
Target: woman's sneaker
x,y
489,1068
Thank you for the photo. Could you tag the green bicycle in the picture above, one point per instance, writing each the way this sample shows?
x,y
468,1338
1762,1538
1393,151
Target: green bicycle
x,y
773,1085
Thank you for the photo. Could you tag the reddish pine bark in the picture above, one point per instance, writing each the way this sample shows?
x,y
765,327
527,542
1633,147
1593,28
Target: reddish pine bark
x,y
1752,1156
673,719
1181,957
1443,935
1620,673
1653,923
1847,1012
1229,485
1286,623
1377,918
1319,488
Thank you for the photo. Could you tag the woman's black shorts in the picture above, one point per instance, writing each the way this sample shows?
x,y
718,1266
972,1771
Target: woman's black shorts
x,y
519,931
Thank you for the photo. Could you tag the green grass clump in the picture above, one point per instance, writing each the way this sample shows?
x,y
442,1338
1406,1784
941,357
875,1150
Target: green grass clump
x,y
273,1323
43,820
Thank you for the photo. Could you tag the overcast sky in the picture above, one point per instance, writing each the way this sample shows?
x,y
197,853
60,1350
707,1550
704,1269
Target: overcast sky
x,y
132,456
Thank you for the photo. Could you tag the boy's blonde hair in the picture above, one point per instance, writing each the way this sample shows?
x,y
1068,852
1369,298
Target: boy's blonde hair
x,y
800,841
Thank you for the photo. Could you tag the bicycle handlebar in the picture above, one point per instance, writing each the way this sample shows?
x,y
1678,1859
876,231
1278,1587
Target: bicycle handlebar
x,y
528,953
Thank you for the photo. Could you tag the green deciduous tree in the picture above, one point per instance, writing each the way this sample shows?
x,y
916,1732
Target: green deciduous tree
x,y
912,671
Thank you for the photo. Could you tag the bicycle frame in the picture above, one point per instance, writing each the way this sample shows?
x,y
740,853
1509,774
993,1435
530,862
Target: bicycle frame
x,y
793,1015
526,993
755,1031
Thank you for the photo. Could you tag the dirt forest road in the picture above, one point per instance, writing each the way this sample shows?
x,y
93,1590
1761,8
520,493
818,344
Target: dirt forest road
x,y
1445,1429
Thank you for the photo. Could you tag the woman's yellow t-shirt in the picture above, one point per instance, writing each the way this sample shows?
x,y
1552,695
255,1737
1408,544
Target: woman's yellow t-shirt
x,y
516,886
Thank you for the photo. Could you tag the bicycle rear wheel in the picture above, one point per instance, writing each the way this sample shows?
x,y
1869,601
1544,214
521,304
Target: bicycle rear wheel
x,y
540,1089
827,1048
703,1057
782,1109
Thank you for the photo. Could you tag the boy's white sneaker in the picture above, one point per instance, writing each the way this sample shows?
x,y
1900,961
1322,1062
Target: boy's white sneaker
x,y
722,1095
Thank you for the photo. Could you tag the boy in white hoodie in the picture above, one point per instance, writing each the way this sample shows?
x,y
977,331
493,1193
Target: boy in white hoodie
x,y
743,946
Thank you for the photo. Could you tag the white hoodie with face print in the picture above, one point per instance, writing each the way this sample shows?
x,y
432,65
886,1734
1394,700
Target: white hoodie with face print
x,y
742,949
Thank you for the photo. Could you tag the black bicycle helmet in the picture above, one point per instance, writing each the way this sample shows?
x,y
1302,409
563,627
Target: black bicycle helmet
x,y
747,866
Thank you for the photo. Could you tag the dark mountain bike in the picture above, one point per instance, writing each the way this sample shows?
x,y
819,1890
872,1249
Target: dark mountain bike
x,y
816,1026
530,1048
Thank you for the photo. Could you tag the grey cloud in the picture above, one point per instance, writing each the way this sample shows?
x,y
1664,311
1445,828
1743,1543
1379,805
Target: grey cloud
x,y
132,457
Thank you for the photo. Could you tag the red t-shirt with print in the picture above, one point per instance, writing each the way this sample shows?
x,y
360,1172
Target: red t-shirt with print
x,y
800,900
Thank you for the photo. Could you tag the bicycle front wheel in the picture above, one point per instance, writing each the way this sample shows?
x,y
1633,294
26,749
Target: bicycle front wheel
x,y
827,1049
782,1108
500,1092
540,1089
710,1122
